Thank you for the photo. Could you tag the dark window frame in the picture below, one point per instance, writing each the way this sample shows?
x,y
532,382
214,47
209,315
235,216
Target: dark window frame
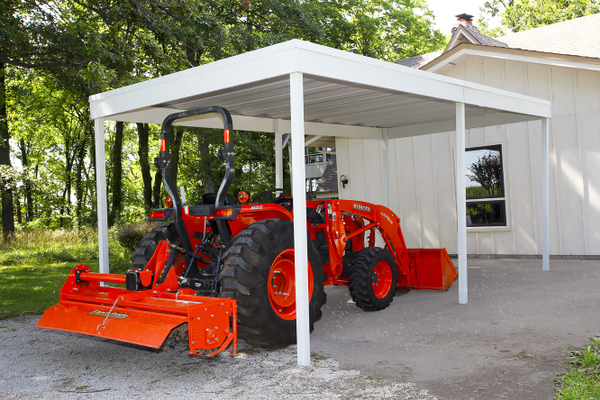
x,y
502,214
493,147
491,199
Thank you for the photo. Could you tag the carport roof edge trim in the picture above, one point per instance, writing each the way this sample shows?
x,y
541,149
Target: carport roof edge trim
x,y
315,60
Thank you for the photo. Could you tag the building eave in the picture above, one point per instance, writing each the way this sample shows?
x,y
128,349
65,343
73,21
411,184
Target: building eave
x,y
442,63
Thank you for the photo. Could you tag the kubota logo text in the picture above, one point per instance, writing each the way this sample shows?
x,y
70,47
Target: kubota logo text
x,y
361,207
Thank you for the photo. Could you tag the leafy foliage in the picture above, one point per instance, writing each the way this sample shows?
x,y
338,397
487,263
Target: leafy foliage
x,y
58,52
582,381
520,15
130,235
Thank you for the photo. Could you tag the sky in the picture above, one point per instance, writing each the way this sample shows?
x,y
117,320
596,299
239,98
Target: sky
x,y
445,11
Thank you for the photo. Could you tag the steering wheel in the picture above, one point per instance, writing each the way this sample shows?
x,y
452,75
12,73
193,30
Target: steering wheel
x,y
272,195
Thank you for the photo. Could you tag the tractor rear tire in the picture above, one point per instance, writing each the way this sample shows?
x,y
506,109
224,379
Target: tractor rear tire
x,y
150,242
258,272
373,279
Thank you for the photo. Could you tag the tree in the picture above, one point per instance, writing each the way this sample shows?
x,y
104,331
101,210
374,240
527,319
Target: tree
x,y
487,171
63,40
389,29
520,15
61,51
8,222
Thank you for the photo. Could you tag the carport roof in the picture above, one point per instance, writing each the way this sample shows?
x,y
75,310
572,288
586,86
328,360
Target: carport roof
x,y
304,88
345,94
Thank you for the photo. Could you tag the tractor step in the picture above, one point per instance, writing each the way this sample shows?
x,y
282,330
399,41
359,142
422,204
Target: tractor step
x,y
144,318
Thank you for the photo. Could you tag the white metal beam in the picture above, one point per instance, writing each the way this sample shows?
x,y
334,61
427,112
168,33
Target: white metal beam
x,y
385,168
300,240
313,139
156,115
545,195
476,121
278,154
101,199
461,205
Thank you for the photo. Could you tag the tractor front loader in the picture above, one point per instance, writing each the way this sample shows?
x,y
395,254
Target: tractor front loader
x,y
220,270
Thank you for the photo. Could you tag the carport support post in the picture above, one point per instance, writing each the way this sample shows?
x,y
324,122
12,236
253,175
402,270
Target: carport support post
x,y
461,205
385,168
101,196
545,194
300,241
278,154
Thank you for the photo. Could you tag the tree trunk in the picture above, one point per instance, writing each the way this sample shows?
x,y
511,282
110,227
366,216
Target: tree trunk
x,y
79,175
65,207
8,223
18,208
156,189
208,180
117,176
27,184
143,133
178,136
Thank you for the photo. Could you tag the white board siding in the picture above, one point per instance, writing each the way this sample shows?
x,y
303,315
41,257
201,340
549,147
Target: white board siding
x,y
422,186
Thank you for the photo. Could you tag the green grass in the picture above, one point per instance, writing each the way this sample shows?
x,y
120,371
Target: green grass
x,y
582,381
35,264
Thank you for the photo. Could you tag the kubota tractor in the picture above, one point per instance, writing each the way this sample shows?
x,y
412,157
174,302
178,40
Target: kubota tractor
x,y
222,269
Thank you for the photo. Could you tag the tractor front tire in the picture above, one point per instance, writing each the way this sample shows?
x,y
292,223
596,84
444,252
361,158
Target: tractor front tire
x,y
259,272
150,242
373,279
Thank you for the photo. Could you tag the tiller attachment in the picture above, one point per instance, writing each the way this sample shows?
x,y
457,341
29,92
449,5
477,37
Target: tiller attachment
x,y
144,315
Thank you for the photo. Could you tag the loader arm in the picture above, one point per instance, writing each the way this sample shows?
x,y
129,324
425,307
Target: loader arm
x,y
417,268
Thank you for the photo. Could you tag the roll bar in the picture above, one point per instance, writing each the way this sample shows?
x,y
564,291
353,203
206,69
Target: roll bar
x,y
163,163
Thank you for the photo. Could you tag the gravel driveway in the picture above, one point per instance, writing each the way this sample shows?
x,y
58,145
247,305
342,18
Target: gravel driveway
x,y
509,342
43,364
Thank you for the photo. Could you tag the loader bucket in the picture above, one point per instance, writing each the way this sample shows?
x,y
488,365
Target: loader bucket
x,y
432,269
141,317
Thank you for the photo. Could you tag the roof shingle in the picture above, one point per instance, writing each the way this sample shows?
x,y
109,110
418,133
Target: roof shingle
x,y
328,182
577,37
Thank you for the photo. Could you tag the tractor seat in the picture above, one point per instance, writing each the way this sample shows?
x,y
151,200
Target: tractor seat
x,y
211,198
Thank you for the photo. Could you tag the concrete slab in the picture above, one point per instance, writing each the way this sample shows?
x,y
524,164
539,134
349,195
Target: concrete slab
x,y
509,341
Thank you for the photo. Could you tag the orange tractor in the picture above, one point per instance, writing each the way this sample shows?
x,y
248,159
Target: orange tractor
x,y
221,270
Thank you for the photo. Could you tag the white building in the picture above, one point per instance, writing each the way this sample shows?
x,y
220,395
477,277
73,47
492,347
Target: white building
x,y
561,63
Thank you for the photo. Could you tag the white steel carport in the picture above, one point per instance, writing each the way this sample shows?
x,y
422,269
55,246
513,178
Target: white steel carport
x,y
303,88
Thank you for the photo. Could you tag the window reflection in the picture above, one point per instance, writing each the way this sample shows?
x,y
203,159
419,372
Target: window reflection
x,y
485,186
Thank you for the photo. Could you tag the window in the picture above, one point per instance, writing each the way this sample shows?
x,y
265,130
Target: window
x,y
312,184
486,203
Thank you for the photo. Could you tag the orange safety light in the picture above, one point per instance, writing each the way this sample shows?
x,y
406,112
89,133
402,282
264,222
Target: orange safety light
x,y
157,214
226,135
244,197
163,145
224,212
169,201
